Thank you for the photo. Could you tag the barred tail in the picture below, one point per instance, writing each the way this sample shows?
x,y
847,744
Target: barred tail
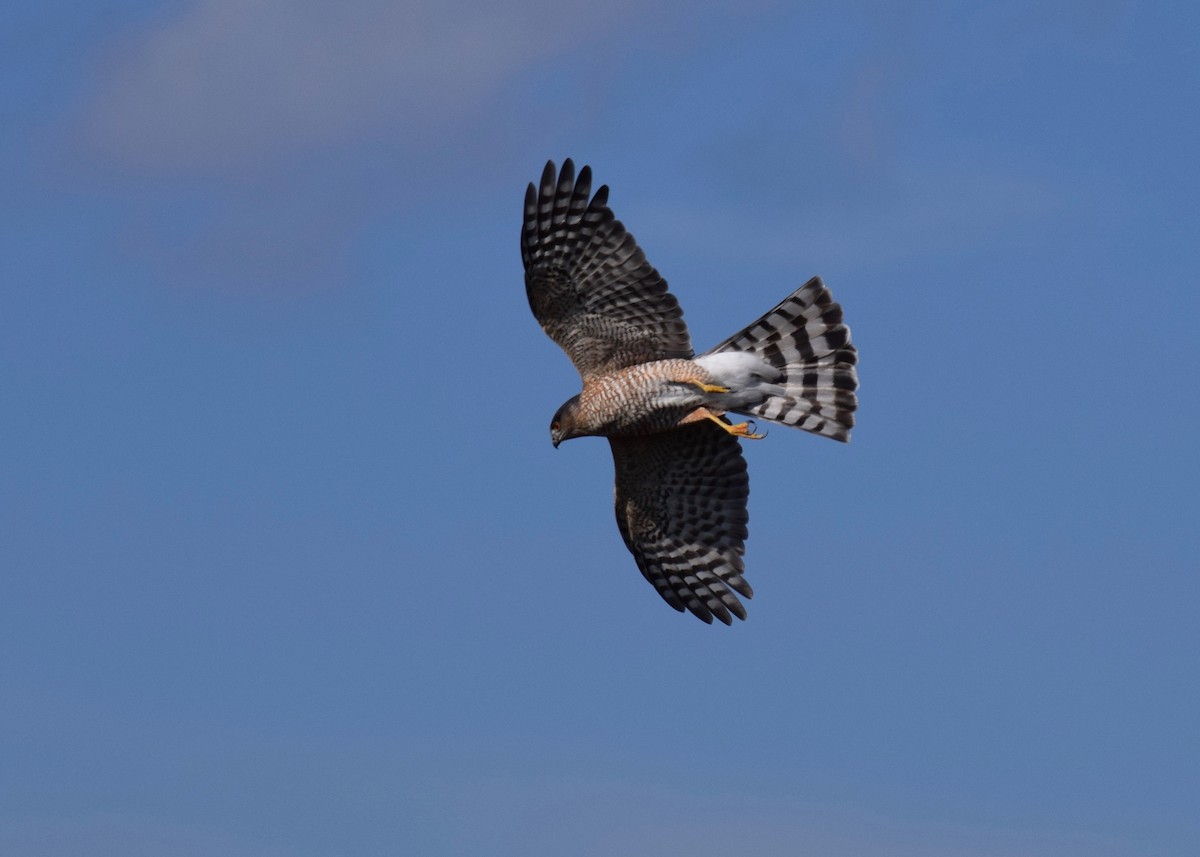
x,y
805,340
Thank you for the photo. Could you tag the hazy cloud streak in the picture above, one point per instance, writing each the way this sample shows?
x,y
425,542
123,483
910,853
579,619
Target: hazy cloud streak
x,y
237,80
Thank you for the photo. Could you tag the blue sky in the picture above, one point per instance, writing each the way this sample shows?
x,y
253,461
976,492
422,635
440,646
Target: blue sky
x,y
291,568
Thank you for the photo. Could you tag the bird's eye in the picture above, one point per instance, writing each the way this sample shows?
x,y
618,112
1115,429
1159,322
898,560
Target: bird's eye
x,y
554,426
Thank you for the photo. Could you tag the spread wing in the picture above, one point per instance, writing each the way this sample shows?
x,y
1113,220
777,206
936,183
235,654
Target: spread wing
x,y
681,508
589,284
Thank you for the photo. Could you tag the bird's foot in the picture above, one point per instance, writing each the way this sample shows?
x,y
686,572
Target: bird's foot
x,y
745,429
709,388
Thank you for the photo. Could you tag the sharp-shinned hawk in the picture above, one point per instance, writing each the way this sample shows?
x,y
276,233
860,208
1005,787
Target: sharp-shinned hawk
x,y
681,483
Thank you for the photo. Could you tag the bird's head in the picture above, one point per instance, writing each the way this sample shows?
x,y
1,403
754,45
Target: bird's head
x,y
565,424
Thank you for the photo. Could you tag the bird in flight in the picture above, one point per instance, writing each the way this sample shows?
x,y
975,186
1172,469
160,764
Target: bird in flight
x,y
681,483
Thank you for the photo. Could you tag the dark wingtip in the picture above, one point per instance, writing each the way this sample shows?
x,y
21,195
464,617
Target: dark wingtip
x,y
566,176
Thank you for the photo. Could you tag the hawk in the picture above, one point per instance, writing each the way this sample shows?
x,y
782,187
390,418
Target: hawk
x,y
681,483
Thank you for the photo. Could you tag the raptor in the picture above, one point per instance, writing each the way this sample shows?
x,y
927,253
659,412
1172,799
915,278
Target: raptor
x,y
681,481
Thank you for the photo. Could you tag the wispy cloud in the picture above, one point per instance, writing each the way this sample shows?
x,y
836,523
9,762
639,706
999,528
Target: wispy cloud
x,y
919,211
236,81
589,816
102,835
276,130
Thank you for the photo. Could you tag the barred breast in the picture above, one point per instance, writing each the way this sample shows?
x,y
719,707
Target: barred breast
x,y
643,399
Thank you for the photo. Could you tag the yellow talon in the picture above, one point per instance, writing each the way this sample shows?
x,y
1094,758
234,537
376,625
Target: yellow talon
x,y
745,430
710,388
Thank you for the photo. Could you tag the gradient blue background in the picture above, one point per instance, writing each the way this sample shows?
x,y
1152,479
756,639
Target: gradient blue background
x,y
289,566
